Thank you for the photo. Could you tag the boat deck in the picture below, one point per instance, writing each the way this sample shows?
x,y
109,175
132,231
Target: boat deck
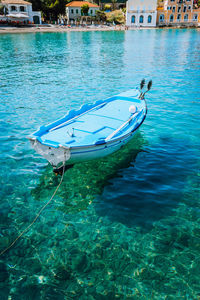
x,y
92,126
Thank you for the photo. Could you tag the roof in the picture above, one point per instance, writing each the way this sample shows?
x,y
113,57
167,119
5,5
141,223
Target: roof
x,y
15,2
80,3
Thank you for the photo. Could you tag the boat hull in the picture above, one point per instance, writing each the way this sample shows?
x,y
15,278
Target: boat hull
x,y
92,132
66,156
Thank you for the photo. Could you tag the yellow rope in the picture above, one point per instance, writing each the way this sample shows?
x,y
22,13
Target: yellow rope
x,y
37,216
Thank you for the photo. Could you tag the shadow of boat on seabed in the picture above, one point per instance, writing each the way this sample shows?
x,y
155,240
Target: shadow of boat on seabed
x,y
85,181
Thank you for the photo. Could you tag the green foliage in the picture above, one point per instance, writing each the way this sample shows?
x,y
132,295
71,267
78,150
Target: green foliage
x,y
58,7
38,4
1,9
113,4
115,16
100,15
84,9
107,7
196,4
50,8
124,10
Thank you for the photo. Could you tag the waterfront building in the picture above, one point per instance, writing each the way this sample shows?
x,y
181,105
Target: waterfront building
x,y
73,10
19,11
141,13
177,13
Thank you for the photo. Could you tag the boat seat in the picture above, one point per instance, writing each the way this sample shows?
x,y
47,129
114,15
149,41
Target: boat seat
x,y
118,108
89,139
92,127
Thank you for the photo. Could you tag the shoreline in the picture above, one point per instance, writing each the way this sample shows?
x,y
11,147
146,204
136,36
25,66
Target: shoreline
x,y
5,30
54,29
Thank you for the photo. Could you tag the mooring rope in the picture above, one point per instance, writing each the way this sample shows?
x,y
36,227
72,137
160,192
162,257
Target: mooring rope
x,y
37,216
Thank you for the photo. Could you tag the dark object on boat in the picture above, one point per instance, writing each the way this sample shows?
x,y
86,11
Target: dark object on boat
x,y
149,85
142,83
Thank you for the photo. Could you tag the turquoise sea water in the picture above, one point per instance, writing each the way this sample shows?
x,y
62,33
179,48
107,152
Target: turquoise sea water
x,y
124,227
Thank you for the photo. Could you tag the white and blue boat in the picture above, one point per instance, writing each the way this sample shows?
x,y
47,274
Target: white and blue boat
x,y
93,131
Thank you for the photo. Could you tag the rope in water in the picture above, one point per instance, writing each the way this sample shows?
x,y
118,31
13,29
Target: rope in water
x,y
37,216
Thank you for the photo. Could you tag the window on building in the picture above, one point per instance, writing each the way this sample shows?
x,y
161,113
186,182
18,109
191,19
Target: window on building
x,y
189,7
184,8
186,18
141,20
195,17
133,19
173,8
161,18
13,8
72,11
149,19
171,19
22,8
179,9
179,17
91,11
169,7
77,11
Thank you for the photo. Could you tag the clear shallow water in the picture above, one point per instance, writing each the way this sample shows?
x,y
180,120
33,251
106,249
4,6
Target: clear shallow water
x,y
127,226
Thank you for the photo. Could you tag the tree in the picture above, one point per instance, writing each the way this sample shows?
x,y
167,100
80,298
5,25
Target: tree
x,y
37,4
107,7
58,7
1,9
84,9
50,8
116,16
100,15
196,3
114,4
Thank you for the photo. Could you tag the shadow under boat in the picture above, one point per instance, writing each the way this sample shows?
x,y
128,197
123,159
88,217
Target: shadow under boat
x,y
85,181
135,193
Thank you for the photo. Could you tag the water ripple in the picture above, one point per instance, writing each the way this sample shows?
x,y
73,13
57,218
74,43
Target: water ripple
x,y
126,226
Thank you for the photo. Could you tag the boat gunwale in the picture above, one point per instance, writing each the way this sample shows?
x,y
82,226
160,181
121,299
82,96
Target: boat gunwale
x,y
103,144
82,111
113,140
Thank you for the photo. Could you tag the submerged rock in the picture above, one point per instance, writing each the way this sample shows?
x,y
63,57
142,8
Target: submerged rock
x,y
63,273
